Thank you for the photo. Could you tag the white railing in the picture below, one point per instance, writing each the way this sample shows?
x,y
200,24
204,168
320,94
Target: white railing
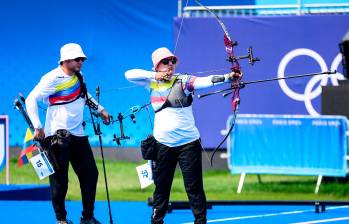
x,y
264,10
338,8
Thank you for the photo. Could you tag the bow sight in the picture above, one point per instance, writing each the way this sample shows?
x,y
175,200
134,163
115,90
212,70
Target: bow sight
x,y
121,117
249,56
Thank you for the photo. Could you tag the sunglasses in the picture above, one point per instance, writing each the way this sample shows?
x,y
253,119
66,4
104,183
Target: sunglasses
x,y
79,59
165,61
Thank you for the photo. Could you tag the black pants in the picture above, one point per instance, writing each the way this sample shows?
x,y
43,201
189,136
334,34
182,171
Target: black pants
x,y
78,152
189,158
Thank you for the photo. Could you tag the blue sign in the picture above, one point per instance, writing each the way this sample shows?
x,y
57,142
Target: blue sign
x,y
299,145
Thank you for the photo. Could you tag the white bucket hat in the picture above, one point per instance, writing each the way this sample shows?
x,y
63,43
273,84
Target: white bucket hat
x,y
159,54
71,51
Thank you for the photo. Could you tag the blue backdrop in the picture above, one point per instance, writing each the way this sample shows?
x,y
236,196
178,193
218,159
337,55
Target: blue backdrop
x,y
305,43
119,35
115,35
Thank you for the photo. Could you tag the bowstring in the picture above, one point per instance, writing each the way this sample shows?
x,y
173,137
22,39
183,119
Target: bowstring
x,y
174,52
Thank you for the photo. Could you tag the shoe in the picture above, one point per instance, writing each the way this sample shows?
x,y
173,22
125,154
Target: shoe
x,y
67,221
92,220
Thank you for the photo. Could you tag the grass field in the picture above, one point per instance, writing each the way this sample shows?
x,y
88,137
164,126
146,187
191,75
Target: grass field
x,y
219,185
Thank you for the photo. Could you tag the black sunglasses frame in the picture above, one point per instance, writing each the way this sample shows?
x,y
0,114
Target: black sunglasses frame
x,y
165,61
79,59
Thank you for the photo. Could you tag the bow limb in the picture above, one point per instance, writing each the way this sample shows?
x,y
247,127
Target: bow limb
x,y
235,67
229,44
217,17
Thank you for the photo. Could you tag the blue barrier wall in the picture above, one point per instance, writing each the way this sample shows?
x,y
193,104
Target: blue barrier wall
x,y
298,145
115,35
119,35
299,44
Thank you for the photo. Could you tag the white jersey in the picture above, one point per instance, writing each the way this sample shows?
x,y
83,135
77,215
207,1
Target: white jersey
x,y
172,126
175,126
65,106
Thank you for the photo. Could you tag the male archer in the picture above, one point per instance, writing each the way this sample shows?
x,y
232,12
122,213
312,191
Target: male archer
x,y
64,92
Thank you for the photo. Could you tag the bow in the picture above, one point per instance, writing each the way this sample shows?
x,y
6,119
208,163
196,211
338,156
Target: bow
x,y
236,83
235,68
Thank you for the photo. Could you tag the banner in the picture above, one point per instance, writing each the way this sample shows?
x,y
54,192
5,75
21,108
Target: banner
x,y
298,145
121,35
286,45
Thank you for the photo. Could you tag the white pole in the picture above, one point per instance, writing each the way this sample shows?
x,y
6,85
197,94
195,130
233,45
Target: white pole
x,y
4,132
179,13
7,153
241,182
319,179
299,3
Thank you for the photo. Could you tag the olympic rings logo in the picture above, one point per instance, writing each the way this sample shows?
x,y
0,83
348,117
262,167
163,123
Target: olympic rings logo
x,y
310,92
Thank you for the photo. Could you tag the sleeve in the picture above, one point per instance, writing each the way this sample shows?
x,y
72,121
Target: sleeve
x,y
139,76
94,102
40,93
195,83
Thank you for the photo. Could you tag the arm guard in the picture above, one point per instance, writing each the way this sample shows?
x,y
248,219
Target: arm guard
x,y
217,78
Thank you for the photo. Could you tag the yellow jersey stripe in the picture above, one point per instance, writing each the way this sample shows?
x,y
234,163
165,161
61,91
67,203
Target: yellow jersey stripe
x,y
68,84
161,86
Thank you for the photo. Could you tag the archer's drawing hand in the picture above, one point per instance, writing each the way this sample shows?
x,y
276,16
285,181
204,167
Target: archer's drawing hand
x,y
162,76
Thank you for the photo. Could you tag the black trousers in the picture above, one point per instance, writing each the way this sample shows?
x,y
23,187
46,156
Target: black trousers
x,y
78,152
189,158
